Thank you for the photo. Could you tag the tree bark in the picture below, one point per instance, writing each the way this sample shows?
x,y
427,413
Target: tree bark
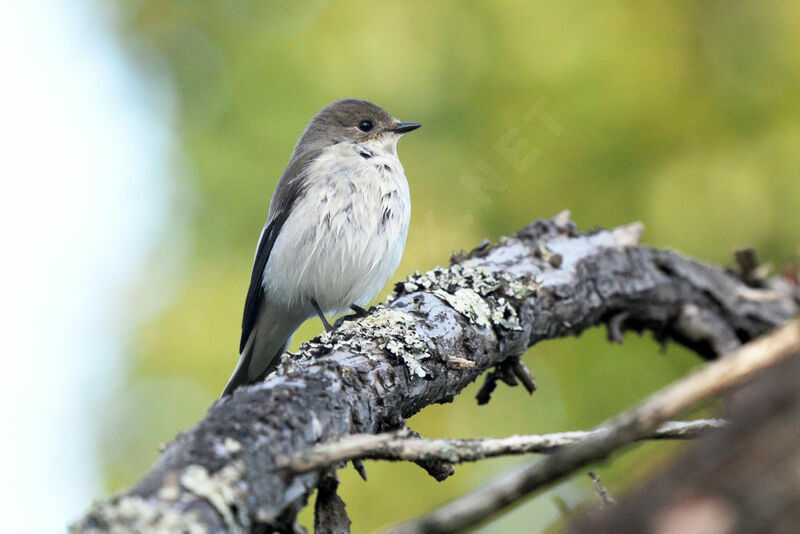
x,y
440,331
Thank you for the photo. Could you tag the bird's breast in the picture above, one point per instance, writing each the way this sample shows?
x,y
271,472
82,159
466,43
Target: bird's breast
x,y
361,193
346,235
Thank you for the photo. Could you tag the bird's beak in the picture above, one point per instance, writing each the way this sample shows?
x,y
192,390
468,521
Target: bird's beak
x,y
405,127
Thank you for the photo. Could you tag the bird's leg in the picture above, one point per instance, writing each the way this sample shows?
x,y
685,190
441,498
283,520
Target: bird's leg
x,y
360,312
325,323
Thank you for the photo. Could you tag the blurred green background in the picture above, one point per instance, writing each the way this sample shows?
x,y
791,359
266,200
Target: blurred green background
x,y
682,115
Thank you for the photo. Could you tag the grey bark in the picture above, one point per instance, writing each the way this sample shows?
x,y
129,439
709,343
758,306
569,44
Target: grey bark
x,y
439,333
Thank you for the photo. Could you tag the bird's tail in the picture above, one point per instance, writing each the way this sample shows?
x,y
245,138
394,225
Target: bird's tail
x,y
241,374
261,353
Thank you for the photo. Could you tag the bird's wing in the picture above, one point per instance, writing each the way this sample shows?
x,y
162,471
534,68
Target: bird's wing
x,y
290,186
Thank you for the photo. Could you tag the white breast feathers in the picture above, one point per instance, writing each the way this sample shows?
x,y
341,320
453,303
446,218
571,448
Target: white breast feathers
x,y
346,235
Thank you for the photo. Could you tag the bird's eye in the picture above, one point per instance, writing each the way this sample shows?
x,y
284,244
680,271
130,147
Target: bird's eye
x,y
365,125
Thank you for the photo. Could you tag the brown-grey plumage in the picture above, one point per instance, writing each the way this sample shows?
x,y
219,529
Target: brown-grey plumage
x,y
337,149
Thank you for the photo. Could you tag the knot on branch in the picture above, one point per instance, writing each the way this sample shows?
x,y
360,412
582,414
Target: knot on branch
x,y
509,371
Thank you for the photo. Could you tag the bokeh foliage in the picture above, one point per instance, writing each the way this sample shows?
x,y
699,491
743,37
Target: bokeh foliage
x,y
683,115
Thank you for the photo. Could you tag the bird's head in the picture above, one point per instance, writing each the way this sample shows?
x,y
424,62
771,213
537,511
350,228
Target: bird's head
x,y
357,121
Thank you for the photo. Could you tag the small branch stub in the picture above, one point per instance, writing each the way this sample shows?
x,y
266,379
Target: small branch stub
x,y
603,497
330,516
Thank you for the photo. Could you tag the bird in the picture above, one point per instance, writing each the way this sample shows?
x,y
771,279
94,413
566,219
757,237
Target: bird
x,y
335,231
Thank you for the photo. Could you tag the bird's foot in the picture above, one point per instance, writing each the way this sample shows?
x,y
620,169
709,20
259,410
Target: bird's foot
x,y
358,313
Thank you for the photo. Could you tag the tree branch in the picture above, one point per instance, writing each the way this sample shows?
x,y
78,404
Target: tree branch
x,y
743,478
547,281
396,446
627,427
